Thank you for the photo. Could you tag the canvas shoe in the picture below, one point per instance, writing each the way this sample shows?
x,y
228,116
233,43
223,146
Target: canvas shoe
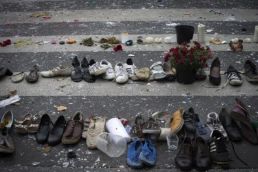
x,y
233,76
98,68
130,68
133,153
76,74
57,71
214,123
157,71
121,74
110,73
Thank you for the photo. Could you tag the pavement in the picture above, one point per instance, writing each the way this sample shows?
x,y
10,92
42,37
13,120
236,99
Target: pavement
x,y
83,18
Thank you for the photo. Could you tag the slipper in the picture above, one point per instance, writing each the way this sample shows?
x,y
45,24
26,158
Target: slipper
x,y
17,77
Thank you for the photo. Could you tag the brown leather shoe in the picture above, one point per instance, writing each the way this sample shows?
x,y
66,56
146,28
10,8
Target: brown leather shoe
x,y
73,130
177,121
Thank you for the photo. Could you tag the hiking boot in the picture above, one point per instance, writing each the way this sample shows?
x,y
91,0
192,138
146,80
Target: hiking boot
x,y
85,71
233,76
177,121
214,76
184,157
251,71
229,125
214,123
33,75
56,72
76,74
218,149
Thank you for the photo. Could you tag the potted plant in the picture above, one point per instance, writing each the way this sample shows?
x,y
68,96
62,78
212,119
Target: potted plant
x,y
187,60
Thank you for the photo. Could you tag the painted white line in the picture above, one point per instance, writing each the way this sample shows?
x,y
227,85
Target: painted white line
x,y
116,15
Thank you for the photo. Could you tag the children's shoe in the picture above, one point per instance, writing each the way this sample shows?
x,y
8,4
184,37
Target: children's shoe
x,y
148,154
133,153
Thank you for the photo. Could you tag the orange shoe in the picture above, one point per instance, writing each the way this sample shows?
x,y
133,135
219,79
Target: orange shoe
x,y
177,121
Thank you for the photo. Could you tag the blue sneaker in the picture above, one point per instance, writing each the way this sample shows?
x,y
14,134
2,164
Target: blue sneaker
x,y
133,152
149,153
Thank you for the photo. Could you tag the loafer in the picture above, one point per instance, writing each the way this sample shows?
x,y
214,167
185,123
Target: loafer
x,y
148,154
202,155
184,157
241,116
57,131
33,75
214,76
229,125
133,153
45,126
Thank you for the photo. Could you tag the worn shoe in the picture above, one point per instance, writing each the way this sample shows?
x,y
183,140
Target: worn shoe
x,y
189,120
202,130
242,118
73,130
218,149
29,124
121,74
7,120
142,74
98,68
55,135
45,126
17,77
214,76
233,76
229,125
151,126
86,76
250,71
6,142
184,157
133,153
110,73
157,71
214,123
76,74
33,75
96,127
57,72
202,155
5,72
130,68
148,154
177,121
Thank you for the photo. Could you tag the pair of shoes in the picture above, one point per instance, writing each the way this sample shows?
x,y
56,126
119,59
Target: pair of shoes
x,y
214,123
6,142
73,130
33,76
96,127
5,72
81,70
59,71
141,153
50,133
241,117
7,120
218,149
29,124
193,153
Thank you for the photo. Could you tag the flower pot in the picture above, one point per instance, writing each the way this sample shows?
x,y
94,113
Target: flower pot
x,y
184,33
185,74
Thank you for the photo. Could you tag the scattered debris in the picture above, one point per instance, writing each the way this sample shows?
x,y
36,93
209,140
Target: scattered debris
x,y
60,108
5,43
46,149
40,14
209,30
87,42
22,43
105,46
131,55
118,48
71,41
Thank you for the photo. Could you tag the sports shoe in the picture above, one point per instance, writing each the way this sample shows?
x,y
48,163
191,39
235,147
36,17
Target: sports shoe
x,y
251,72
214,123
110,73
189,120
76,74
133,153
177,121
121,74
130,68
57,71
85,71
148,154
98,68
233,76
218,149
157,72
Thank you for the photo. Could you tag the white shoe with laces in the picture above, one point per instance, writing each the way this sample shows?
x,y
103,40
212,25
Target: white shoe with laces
x,y
110,73
98,68
121,73
233,76
130,68
214,123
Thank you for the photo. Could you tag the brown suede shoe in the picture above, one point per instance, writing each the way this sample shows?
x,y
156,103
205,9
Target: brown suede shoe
x,y
74,128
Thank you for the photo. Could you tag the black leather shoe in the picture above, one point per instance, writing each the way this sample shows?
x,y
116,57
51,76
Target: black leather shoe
x,y
76,74
189,120
202,155
5,72
44,129
55,135
184,157
214,76
85,71
229,125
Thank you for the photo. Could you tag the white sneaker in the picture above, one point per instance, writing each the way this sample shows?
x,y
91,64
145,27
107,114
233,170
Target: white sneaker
x,y
130,68
98,68
121,74
110,73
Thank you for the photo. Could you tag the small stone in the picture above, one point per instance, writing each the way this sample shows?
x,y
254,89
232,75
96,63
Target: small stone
x,y
35,163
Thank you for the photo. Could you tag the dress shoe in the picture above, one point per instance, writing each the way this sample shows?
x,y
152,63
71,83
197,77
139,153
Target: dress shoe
x,y
45,126
56,133
202,155
184,157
